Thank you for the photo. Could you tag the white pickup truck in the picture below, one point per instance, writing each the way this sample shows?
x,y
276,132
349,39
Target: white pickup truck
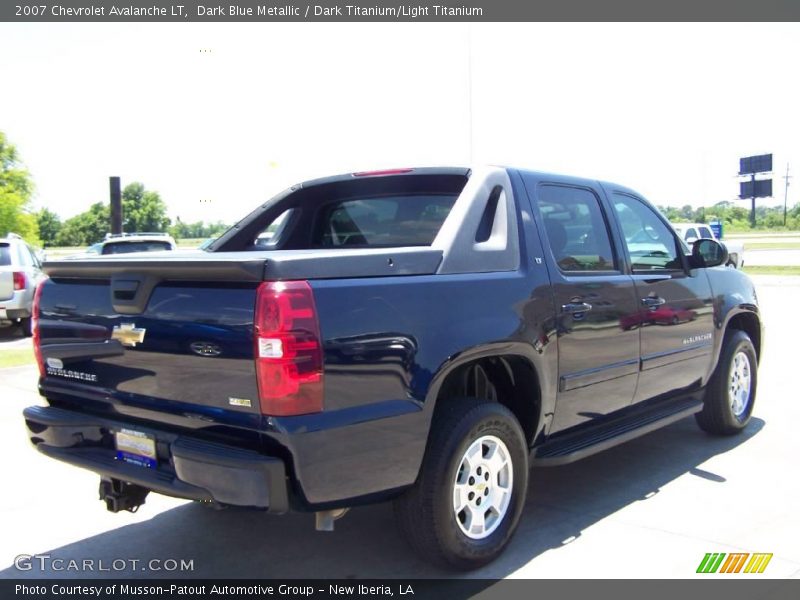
x,y
689,232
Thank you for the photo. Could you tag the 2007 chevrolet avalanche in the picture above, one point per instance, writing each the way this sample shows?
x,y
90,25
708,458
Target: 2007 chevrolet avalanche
x,y
424,335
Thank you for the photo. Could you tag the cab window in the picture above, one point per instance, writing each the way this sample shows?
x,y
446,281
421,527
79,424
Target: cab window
x,y
651,245
388,221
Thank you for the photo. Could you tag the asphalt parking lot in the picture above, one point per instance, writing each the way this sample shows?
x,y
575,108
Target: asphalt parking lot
x,y
649,508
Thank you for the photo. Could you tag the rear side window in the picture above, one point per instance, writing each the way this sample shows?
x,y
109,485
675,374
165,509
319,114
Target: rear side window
x,y
705,233
576,229
25,256
5,255
126,247
403,220
272,234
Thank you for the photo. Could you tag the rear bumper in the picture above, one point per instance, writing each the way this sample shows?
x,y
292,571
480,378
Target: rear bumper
x,y
18,306
187,467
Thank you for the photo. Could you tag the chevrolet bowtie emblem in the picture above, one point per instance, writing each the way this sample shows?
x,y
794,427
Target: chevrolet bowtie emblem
x,y
128,334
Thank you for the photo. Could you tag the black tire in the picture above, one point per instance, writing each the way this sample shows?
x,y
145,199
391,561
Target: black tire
x,y
426,514
25,326
718,416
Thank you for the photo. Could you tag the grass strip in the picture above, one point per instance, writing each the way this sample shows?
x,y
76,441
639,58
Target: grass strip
x,y
772,270
16,357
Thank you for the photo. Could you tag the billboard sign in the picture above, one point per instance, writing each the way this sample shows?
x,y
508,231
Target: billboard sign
x,y
755,164
758,188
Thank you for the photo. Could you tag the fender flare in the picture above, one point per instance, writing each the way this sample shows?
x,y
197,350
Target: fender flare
x,y
547,391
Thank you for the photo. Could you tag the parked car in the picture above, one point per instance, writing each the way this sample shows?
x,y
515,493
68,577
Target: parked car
x,y
690,232
126,243
419,335
20,274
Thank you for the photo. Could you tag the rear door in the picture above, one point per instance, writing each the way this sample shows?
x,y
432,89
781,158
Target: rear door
x,y
674,302
596,303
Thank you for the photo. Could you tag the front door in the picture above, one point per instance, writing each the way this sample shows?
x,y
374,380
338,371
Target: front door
x,y
675,303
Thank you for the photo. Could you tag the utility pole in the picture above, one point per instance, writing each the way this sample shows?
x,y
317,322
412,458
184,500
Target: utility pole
x,y
787,177
116,204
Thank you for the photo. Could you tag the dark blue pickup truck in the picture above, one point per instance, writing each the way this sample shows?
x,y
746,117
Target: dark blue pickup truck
x,y
421,335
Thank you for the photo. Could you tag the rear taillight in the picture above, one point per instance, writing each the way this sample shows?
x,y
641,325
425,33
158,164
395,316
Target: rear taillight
x,y
288,349
20,283
37,337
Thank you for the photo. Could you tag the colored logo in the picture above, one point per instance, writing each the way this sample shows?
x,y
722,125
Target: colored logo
x,y
736,562
128,334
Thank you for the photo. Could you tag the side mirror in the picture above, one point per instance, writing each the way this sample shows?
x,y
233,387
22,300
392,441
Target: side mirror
x,y
709,253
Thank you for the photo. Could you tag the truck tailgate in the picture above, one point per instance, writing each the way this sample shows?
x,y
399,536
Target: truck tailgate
x,y
144,332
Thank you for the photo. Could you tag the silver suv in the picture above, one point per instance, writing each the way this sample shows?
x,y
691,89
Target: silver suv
x,y
124,243
20,273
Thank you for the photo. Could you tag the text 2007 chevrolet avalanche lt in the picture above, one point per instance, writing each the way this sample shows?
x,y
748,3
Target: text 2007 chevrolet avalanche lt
x,y
424,335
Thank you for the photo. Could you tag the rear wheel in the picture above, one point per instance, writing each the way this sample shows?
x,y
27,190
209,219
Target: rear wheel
x,y
467,501
731,392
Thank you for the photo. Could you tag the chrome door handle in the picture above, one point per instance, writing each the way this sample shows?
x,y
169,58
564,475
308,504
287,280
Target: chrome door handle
x,y
576,307
653,302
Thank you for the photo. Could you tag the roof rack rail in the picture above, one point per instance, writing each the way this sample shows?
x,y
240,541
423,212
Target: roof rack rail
x,y
13,236
136,234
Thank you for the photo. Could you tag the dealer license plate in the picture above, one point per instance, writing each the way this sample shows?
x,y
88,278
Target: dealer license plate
x,y
136,448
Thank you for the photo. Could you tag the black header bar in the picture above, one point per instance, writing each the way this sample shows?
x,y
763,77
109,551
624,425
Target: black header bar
x,y
741,588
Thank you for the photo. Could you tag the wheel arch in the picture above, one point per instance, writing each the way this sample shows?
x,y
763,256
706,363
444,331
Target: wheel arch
x,y
750,323
512,371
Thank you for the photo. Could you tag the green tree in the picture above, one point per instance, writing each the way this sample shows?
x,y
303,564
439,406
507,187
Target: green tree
x,y
16,189
86,228
49,225
143,210
200,229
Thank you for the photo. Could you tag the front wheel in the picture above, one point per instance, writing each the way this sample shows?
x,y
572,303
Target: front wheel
x,y
731,392
468,498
